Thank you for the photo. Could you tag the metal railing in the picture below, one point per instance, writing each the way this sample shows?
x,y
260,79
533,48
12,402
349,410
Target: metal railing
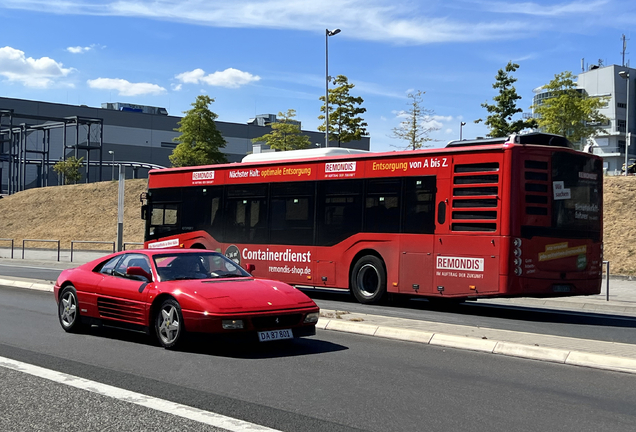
x,y
88,241
11,240
132,243
607,277
41,240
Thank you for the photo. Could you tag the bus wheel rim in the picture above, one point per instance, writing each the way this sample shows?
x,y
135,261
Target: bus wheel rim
x,y
368,280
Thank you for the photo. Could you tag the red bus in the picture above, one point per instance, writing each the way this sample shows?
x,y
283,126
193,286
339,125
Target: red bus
x,y
517,216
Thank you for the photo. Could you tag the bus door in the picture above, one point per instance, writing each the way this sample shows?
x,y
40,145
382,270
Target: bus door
x,y
417,243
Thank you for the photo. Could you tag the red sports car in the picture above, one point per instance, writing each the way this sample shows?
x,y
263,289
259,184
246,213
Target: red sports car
x,y
168,292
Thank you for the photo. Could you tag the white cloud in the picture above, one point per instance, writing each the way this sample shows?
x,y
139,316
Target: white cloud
x,y
176,87
81,50
442,118
125,88
41,73
230,78
377,20
532,8
78,49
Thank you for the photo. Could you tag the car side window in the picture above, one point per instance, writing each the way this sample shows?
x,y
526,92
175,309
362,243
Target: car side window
x,y
109,266
131,260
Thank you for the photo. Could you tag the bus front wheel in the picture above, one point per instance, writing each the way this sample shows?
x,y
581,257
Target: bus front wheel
x,y
368,280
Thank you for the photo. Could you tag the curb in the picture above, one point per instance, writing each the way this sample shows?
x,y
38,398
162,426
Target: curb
x,y
27,284
554,355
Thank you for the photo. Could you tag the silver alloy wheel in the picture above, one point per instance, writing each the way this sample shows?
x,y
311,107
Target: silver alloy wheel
x,y
368,280
169,324
68,309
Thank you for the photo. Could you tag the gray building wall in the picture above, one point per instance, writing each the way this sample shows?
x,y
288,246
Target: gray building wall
x,y
132,136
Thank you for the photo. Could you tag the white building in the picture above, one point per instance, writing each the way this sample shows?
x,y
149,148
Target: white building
x,y
605,81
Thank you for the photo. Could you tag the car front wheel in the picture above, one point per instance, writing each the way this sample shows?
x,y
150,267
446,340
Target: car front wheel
x,y
169,324
68,310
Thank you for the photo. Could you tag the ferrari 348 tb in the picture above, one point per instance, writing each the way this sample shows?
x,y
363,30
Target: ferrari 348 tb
x,y
167,292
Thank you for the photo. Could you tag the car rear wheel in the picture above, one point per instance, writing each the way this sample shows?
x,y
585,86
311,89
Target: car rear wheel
x,y
169,324
68,310
368,280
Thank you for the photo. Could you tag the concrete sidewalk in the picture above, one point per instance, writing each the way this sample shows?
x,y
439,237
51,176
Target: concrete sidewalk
x,y
572,351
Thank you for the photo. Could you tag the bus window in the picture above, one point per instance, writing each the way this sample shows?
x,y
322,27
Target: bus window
x,y
292,213
246,214
339,210
164,219
419,205
382,206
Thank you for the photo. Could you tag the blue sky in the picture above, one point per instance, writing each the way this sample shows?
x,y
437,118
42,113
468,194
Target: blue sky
x,y
266,56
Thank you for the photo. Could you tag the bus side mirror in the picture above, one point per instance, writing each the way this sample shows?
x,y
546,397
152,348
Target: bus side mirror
x,y
144,211
250,268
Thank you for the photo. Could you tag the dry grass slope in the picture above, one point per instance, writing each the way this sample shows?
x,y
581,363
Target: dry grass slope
x,y
89,212
73,212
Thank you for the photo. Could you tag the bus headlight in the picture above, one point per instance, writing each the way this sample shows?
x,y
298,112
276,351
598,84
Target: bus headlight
x,y
312,318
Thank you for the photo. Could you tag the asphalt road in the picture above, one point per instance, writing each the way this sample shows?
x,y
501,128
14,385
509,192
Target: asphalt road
x,y
331,382
480,314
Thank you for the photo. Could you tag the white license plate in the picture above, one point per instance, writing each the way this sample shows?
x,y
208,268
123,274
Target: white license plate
x,y
271,335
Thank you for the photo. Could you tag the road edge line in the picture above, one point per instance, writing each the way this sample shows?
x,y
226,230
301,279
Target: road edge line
x,y
172,408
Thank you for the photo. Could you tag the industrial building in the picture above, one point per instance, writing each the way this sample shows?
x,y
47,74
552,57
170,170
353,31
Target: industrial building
x,y
35,135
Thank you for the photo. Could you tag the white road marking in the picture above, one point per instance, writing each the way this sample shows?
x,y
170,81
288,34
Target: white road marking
x,y
195,414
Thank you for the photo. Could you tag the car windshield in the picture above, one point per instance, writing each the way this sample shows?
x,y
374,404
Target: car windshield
x,y
196,265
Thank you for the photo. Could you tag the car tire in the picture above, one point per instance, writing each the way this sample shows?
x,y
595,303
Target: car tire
x,y
169,326
68,310
368,280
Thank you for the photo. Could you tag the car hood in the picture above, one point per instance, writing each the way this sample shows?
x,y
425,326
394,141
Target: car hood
x,y
246,294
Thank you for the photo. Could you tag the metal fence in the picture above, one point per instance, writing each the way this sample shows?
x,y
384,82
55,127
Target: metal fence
x,y
9,240
41,240
87,241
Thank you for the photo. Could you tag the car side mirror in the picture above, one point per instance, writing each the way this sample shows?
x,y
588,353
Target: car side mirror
x,y
138,271
250,268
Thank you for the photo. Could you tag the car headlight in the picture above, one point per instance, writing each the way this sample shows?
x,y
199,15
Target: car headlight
x,y
232,324
312,318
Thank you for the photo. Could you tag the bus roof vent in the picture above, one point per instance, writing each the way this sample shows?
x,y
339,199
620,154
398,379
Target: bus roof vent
x,y
301,154
536,138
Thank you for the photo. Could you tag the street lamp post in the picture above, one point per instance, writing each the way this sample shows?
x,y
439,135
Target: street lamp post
x,y
625,75
112,166
461,125
327,34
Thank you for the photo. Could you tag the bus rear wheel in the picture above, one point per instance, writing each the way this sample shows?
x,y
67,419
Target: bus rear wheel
x,y
368,280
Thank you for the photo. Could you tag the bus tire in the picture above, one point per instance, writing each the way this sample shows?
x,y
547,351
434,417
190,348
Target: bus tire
x,y
368,280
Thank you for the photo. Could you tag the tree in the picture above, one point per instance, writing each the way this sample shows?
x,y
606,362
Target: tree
x,y
569,111
285,134
345,125
70,169
501,113
200,140
417,123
